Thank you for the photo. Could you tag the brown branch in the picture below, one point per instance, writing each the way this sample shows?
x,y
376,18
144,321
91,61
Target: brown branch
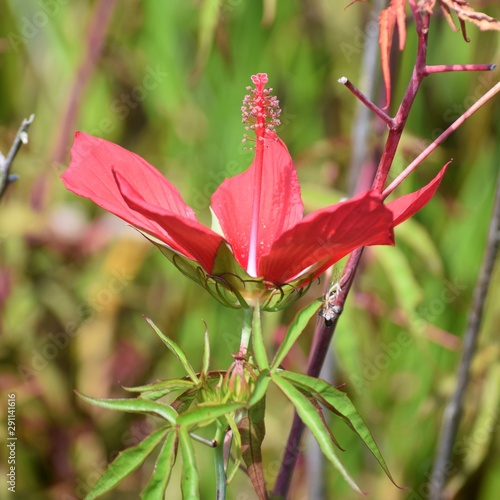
x,y
6,178
96,36
453,409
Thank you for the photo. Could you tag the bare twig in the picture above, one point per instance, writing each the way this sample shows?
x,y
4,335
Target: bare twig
x,y
367,102
6,177
439,140
453,409
443,68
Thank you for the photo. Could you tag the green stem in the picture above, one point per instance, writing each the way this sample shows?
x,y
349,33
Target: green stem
x,y
246,331
259,348
220,470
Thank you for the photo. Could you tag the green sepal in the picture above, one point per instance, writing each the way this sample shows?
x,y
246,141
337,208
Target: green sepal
x,y
227,278
230,284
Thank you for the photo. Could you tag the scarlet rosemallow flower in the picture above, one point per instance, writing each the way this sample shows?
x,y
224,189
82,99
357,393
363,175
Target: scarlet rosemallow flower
x,y
262,248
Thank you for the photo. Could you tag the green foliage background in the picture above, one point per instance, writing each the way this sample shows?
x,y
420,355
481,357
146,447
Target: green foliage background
x,y
168,85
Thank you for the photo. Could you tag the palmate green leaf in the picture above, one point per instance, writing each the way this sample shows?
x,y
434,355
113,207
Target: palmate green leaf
x,y
126,463
398,270
417,237
179,353
294,330
206,413
309,415
338,402
155,490
252,430
190,475
137,405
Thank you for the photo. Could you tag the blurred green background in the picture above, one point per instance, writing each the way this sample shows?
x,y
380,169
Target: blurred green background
x,y
166,80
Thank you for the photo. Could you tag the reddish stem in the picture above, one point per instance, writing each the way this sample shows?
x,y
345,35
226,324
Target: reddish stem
x,y
369,104
391,145
429,149
324,334
443,68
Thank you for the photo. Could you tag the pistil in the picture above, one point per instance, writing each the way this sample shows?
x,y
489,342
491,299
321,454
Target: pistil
x,y
261,111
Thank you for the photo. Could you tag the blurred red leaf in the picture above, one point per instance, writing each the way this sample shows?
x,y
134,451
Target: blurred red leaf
x,y
389,17
466,13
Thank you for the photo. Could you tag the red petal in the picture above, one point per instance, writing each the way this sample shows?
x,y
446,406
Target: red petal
x,y
90,174
187,236
327,235
280,207
404,207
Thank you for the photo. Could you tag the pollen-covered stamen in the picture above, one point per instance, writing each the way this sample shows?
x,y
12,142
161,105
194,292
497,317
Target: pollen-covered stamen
x,y
261,112
260,109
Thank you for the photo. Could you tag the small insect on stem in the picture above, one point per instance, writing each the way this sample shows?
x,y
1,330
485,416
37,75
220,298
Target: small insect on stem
x,y
329,311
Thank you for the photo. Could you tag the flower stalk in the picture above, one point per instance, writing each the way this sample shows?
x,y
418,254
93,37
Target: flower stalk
x,y
246,332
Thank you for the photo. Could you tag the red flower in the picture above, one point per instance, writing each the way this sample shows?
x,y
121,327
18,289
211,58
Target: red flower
x,y
266,242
